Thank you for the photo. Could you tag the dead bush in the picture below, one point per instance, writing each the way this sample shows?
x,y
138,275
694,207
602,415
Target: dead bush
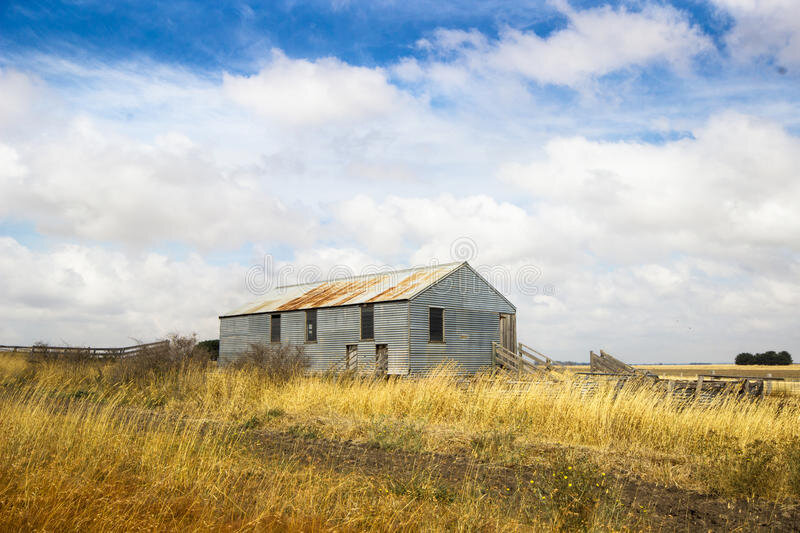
x,y
277,362
182,354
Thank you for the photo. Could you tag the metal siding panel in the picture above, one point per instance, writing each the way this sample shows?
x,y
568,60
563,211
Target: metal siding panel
x,y
471,323
366,357
236,334
336,328
464,289
391,328
293,327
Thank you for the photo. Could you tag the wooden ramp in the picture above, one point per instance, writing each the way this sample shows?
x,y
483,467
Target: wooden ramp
x,y
606,363
525,360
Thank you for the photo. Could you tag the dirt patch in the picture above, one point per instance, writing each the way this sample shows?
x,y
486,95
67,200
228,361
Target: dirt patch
x,y
644,505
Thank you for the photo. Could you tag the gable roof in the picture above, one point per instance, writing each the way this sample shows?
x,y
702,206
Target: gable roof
x,y
378,287
480,277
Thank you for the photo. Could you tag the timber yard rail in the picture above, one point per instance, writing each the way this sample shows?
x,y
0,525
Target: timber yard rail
x,y
99,353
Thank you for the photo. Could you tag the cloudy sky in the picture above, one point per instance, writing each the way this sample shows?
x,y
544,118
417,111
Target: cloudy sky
x,y
626,171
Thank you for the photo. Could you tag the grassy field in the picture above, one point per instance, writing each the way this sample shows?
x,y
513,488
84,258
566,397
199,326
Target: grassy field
x,y
179,444
789,372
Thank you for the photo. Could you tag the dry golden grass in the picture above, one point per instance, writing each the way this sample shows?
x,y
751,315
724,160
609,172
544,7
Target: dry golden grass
x,y
691,371
175,449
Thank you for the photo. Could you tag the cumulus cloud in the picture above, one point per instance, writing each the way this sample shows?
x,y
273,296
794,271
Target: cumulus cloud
x,y
93,185
730,187
594,43
301,92
764,28
89,295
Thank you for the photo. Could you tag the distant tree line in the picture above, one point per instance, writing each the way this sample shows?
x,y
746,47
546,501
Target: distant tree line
x,y
766,358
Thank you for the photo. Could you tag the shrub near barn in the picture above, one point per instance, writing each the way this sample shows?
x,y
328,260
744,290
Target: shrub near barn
x,y
767,358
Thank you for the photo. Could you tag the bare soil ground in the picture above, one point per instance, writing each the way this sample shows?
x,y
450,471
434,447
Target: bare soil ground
x,y
645,505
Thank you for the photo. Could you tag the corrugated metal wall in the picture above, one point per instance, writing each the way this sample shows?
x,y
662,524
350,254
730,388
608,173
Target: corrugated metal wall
x,y
237,333
336,328
391,328
471,322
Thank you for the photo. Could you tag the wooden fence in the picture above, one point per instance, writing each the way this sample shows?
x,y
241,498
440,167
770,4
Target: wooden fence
x,y
606,368
99,353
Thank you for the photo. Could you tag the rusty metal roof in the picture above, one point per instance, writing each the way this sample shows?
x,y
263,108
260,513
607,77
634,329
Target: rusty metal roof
x,y
379,287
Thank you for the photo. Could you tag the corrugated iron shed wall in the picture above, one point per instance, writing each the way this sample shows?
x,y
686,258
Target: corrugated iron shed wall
x,y
336,328
471,322
236,334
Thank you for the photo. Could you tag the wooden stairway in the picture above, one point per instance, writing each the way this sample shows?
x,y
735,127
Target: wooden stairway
x,y
525,360
605,363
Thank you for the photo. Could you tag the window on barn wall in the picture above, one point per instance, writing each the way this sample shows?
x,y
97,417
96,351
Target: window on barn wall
x,y
435,324
275,328
311,325
367,322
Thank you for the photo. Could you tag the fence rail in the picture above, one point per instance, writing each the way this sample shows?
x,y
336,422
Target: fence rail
x,y
100,353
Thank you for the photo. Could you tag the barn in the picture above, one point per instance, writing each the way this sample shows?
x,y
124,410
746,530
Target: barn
x,y
392,322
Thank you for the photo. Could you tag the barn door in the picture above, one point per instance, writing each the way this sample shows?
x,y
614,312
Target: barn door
x,y
381,359
351,362
508,332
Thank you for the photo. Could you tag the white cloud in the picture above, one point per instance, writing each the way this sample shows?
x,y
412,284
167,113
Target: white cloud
x,y
18,90
88,295
429,226
10,166
594,43
764,28
303,93
732,187
92,185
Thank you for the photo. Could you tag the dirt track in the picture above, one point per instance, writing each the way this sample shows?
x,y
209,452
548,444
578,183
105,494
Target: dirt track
x,y
649,506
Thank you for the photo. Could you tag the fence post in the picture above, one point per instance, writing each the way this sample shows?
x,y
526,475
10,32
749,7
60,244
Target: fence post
x,y
494,355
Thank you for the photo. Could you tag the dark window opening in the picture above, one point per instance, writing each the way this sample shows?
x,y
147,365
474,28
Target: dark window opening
x,y
275,328
435,324
367,322
311,325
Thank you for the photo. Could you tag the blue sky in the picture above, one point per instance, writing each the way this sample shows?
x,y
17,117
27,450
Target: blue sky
x,y
214,35
640,154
